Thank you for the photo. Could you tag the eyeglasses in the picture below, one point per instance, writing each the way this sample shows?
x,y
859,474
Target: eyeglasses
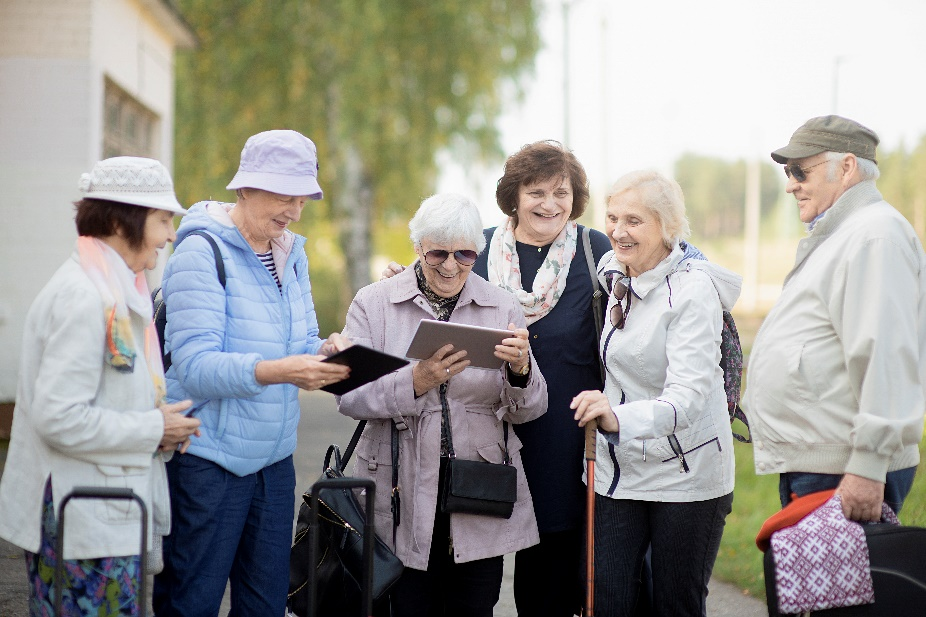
x,y
618,313
437,257
799,173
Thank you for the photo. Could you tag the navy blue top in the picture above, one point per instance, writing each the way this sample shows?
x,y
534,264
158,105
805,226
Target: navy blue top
x,y
565,345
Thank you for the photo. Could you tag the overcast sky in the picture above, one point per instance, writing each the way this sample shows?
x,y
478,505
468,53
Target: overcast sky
x,y
651,79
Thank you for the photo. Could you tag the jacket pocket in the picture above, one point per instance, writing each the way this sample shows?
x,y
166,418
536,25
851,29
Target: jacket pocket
x,y
712,443
123,476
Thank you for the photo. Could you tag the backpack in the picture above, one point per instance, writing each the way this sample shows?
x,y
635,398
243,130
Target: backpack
x,y
731,361
160,302
731,351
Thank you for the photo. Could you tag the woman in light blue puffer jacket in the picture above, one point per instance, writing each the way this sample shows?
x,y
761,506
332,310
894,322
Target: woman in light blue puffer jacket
x,y
243,352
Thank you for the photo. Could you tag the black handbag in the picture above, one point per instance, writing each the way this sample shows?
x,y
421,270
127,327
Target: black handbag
x,y
339,568
476,487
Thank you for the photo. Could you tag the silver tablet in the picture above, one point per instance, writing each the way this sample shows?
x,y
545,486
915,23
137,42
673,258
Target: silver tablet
x,y
479,342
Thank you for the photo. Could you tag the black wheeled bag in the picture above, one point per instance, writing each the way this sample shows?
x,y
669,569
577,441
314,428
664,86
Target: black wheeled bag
x,y
898,574
104,492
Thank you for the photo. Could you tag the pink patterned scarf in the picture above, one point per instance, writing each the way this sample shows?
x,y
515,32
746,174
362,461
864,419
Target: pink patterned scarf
x,y
111,276
550,282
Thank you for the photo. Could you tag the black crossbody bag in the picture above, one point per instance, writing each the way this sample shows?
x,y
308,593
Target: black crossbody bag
x,y
477,487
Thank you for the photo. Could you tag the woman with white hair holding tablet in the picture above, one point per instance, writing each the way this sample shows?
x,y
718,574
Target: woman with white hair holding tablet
x,y
441,409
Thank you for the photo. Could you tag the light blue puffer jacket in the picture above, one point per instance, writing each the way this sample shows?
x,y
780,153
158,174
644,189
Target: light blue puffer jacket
x,y
217,336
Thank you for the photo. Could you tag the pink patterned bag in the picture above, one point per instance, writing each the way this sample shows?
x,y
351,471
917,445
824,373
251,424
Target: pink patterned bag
x,y
822,561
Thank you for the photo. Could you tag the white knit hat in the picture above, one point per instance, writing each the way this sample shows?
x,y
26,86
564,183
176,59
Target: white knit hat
x,y
131,180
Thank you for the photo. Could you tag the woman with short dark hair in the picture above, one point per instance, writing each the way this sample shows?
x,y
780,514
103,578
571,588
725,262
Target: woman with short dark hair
x,y
538,254
90,406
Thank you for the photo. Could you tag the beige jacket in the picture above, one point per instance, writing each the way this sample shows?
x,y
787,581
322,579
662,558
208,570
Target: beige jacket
x,y
835,382
384,315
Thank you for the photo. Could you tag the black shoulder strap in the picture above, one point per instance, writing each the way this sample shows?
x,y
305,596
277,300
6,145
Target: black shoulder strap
x,y
160,315
596,294
352,445
216,253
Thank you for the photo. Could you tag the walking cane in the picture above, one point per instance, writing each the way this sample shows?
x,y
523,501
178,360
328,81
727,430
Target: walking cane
x,y
591,430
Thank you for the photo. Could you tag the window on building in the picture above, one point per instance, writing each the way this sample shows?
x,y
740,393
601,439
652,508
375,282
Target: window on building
x,y
129,128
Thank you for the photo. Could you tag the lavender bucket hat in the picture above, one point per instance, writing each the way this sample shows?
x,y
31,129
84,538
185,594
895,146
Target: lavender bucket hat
x,y
279,161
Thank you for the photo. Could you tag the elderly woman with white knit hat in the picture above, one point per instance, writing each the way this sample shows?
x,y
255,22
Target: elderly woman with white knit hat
x,y
244,349
90,405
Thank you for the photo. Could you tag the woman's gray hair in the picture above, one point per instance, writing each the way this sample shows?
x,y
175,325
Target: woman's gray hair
x,y
660,195
868,169
447,218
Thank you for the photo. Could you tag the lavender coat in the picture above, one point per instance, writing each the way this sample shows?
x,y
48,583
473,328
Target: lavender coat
x,y
384,316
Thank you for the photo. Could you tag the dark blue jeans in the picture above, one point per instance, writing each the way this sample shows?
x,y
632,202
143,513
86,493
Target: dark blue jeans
x,y
226,528
684,538
896,487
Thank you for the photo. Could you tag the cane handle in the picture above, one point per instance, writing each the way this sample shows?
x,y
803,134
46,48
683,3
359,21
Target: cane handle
x,y
591,431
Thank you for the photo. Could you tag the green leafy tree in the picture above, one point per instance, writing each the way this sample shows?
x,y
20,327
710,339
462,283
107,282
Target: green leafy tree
x,y
903,182
379,85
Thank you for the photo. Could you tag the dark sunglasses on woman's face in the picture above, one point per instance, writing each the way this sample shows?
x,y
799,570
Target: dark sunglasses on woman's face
x,y
799,173
437,257
618,314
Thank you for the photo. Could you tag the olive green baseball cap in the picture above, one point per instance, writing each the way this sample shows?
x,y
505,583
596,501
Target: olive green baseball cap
x,y
829,134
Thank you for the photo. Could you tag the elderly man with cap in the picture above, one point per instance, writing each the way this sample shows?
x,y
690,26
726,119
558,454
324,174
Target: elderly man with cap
x,y
241,350
835,388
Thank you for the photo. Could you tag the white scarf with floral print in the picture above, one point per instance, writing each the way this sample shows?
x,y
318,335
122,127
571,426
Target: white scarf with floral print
x,y
550,282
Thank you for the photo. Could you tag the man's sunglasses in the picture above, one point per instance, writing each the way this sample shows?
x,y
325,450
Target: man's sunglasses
x,y
799,173
618,314
437,257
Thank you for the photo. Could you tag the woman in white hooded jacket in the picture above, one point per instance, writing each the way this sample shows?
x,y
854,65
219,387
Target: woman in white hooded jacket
x,y
664,474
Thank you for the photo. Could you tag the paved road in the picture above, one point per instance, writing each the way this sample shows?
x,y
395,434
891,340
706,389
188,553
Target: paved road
x,y
321,425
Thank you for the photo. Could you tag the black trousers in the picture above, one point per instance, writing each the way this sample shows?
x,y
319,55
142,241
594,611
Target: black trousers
x,y
447,589
549,577
685,539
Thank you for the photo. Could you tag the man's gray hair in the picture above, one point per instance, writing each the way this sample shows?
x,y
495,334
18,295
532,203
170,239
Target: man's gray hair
x,y
868,169
447,219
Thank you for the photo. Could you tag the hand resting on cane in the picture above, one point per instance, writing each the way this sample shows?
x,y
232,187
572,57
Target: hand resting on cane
x,y
592,404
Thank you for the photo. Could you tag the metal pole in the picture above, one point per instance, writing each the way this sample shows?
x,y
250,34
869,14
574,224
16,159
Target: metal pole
x,y
751,236
836,62
565,6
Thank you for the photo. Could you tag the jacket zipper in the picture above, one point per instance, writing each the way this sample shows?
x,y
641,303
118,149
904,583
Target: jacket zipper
x,y
682,454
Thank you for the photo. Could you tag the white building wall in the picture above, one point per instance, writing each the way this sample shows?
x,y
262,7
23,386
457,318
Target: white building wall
x,y
55,56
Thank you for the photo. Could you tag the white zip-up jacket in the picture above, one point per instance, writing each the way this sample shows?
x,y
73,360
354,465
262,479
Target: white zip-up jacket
x,y
837,371
664,378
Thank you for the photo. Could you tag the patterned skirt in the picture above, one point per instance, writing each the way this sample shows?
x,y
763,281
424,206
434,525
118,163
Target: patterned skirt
x,y
102,587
